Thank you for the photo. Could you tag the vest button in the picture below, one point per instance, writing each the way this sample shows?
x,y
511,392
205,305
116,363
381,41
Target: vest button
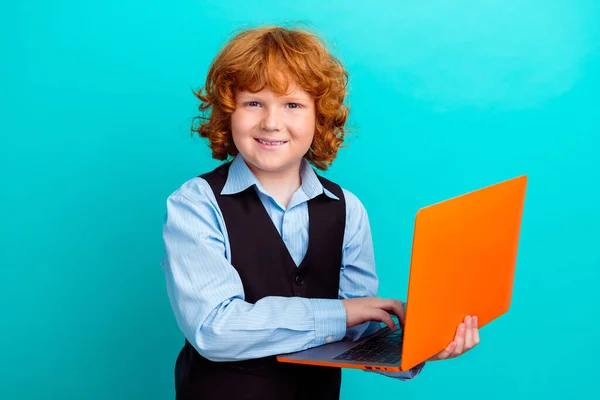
x,y
299,280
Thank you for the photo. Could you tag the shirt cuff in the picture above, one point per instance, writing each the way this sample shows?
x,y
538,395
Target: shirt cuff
x,y
405,375
330,320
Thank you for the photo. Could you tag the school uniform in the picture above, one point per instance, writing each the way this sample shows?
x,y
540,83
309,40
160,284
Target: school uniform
x,y
249,279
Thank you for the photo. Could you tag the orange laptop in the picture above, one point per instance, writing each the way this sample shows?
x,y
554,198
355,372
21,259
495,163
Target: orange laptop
x,y
463,263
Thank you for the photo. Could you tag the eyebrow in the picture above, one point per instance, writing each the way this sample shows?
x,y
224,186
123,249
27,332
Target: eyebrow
x,y
285,97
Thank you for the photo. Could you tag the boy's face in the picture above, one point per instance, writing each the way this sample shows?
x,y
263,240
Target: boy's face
x,y
273,133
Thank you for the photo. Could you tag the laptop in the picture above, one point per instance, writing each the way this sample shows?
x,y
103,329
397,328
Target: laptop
x,y
463,262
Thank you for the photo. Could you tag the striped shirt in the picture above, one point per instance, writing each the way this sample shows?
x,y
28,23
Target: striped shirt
x,y
206,292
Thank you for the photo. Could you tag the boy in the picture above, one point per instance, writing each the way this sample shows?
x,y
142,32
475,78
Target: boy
x,y
262,256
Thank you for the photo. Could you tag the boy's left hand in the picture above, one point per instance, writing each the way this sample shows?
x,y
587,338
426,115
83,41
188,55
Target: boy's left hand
x,y
467,337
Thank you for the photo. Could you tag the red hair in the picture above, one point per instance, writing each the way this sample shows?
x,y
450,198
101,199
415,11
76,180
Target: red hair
x,y
271,57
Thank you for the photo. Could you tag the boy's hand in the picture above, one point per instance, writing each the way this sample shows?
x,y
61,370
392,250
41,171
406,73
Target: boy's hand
x,y
361,310
467,337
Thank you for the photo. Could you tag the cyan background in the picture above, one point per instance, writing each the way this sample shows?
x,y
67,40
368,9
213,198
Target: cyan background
x,y
446,96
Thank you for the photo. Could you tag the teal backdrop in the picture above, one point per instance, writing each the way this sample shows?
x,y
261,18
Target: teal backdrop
x,y
446,97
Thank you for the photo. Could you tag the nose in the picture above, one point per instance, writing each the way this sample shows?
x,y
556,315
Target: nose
x,y
271,120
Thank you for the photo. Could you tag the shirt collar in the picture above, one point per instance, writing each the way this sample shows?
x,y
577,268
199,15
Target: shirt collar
x,y
240,178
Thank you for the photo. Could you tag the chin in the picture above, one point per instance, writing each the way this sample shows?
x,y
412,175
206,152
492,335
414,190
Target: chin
x,y
272,166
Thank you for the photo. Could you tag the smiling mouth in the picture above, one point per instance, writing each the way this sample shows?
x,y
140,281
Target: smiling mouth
x,y
271,142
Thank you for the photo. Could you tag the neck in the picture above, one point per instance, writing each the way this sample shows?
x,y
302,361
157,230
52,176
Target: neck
x,y
279,184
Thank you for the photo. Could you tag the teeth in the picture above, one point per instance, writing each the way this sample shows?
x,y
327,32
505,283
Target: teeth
x,y
270,143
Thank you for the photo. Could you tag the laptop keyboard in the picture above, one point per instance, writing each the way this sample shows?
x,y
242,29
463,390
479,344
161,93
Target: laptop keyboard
x,y
379,349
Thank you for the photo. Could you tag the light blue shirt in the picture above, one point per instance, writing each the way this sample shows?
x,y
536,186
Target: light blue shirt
x,y
206,292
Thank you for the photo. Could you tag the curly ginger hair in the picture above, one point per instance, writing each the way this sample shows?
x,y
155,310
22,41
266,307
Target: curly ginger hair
x,y
271,57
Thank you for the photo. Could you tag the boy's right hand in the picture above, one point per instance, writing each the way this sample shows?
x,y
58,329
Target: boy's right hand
x,y
367,309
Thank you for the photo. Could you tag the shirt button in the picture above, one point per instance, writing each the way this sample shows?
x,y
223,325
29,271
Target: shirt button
x,y
329,339
299,280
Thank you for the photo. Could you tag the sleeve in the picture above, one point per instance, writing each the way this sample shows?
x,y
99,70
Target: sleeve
x,y
207,297
358,277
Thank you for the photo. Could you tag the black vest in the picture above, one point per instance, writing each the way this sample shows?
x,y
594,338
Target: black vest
x,y
266,268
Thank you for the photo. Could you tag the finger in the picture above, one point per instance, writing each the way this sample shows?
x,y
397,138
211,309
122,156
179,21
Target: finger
x,y
475,330
383,316
396,307
402,315
469,334
385,305
446,352
460,340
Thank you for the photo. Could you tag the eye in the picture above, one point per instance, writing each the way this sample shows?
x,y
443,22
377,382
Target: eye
x,y
294,105
252,103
